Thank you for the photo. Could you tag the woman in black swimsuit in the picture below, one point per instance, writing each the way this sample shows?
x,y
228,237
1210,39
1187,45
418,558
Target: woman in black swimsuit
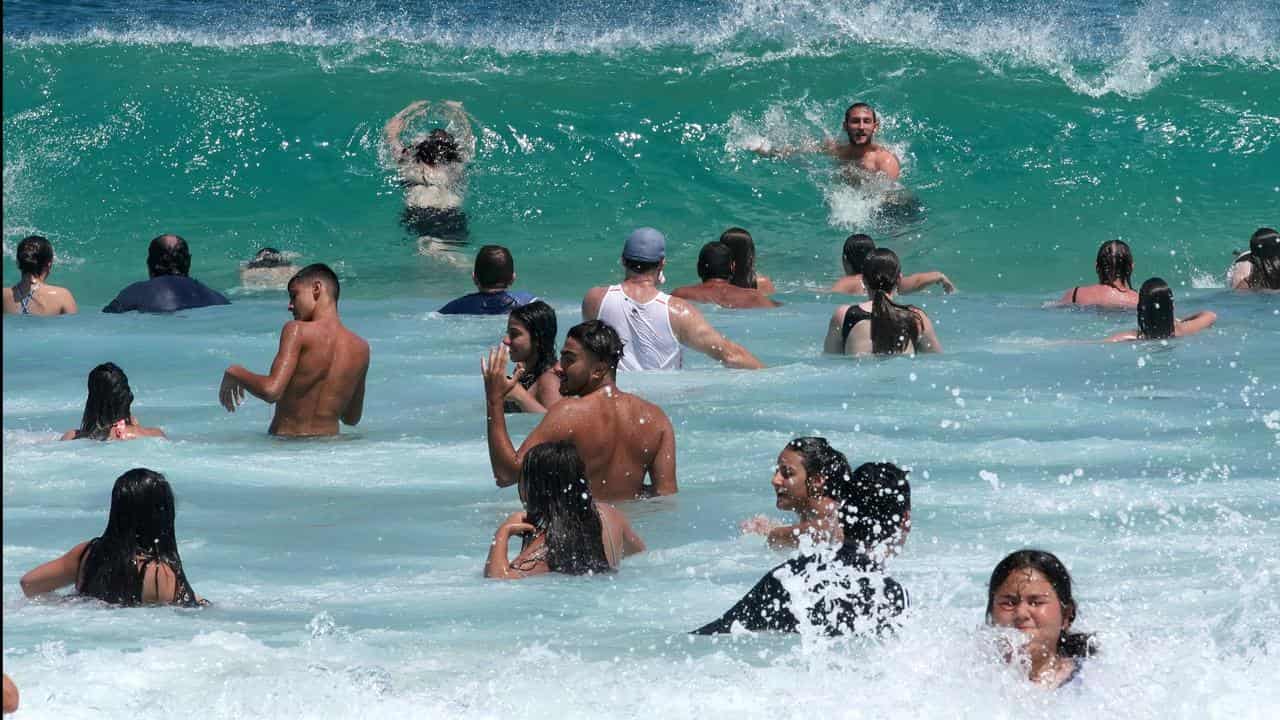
x,y
135,561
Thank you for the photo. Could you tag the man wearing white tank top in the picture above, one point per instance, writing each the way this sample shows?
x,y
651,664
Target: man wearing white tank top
x,y
652,324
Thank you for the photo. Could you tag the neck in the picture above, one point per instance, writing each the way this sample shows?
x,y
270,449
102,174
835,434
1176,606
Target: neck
x,y
325,311
493,290
650,279
1044,665
606,383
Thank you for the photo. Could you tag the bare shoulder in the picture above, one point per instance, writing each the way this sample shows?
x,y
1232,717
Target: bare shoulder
x,y
69,435
1126,336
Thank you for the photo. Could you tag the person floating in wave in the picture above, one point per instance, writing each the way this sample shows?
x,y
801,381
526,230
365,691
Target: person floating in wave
x,y
432,169
318,375
32,295
1259,268
1156,320
861,152
269,268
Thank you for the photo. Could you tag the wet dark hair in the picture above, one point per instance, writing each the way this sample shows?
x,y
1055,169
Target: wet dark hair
x,y
438,147
34,254
856,249
875,500
820,459
1070,644
744,256
110,401
1114,263
600,339
894,327
715,262
268,257
557,501
1264,255
321,272
140,527
168,255
539,319
1155,310
857,105
494,267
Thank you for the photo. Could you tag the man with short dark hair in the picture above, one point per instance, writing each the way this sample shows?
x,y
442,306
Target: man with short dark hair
x,y
318,375
862,152
495,271
716,267
620,437
170,288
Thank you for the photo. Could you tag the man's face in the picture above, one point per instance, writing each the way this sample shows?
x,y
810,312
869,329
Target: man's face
x,y
576,369
860,124
302,300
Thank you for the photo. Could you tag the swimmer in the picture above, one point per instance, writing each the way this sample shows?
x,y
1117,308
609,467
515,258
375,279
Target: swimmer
x,y
620,437
744,261
531,340
10,696
1114,266
861,152
494,274
269,268
433,172
1155,316
652,324
880,325
1030,590
854,255
716,268
800,485
563,528
108,411
847,593
32,295
1258,269
135,561
170,287
318,375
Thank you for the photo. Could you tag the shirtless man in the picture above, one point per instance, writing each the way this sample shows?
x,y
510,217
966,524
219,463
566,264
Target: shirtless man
x,y
619,436
860,124
652,324
319,372
716,267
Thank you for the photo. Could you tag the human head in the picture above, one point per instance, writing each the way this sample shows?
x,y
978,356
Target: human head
x,y
894,327
715,262
856,249
806,467
875,506
1155,310
744,256
881,271
110,400
308,286
644,252
1114,263
860,123
438,147
531,335
168,255
34,255
557,501
495,269
589,358
1264,255
267,257
1045,564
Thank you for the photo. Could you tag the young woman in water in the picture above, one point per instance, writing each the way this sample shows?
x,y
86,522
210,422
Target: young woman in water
x,y
433,172
880,325
1258,269
1030,590
531,338
800,484
1114,266
856,249
744,261
108,413
564,530
135,561
32,295
1155,316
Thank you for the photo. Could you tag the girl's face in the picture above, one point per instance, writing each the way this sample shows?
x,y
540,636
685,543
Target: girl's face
x,y
518,341
1026,601
791,482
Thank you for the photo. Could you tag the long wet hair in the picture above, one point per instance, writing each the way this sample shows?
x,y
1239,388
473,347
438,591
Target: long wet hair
x,y
110,401
140,527
1070,644
557,501
856,249
539,319
1264,255
438,147
820,459
34,255
744,256
894,327
1114,264
1155,310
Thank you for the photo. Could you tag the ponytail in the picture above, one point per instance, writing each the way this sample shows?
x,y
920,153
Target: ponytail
x,y
894,327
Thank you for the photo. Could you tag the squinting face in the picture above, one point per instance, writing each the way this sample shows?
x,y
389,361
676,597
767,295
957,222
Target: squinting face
x,y
575,368
1026,601
861,125
518,341
790,481
302,302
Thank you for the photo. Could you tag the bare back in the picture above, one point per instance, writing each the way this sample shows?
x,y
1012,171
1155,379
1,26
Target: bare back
x,y
725,295
328,383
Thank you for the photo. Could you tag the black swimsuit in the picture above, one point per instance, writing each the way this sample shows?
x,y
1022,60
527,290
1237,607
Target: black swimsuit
x,y
854,315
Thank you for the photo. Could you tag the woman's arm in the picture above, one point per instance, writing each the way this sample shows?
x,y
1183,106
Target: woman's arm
x,y
929,342
547,389
461,122
527,402
919,281
498,566
834,343
55,573
395,126
1195,323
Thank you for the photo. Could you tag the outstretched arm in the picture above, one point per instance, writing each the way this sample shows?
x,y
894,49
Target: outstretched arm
x,y
395,126
1195,323
236,380
55,573
461,124
692,329
919,281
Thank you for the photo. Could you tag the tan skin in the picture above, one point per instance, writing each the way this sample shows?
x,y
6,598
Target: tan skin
x,y
546,390
687,322
1116,295
859,340
10,696
860,125
1027,601
318,376
796,491
619,539
915,282
620,437
725,294
1189,325
131,430
159,582
47,300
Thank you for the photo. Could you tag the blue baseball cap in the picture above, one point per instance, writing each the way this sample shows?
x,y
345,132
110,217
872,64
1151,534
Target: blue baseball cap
x,y
646,245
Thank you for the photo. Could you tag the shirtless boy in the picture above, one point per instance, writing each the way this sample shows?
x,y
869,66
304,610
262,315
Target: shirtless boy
x,y
619,436
319,371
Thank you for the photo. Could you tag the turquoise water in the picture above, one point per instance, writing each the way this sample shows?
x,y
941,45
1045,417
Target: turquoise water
x,y
345,574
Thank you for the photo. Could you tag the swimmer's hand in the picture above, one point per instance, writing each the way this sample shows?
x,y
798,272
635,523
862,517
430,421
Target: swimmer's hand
x,y
516,524
758,525
948,287
494,370
231,393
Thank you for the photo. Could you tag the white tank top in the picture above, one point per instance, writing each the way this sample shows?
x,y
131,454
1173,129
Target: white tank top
x,y
648,342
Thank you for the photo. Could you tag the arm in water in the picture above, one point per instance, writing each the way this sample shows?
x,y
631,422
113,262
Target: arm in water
x,y
692,329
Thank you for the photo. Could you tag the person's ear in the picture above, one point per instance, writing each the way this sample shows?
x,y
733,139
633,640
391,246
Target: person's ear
x,y
316,289
513,280
814,485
